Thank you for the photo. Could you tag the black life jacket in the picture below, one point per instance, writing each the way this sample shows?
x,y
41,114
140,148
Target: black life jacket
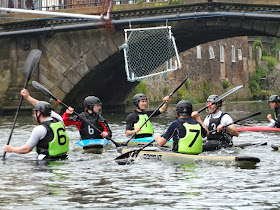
x,y
214,135
87,131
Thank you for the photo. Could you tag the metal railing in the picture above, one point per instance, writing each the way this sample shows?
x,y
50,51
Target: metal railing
x,y
58,4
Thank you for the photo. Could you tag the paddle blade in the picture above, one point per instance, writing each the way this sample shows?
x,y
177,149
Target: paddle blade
x,y
128,157
31,63
44,90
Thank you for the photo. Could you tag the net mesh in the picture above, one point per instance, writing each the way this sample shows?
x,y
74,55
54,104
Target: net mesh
x,y
150,51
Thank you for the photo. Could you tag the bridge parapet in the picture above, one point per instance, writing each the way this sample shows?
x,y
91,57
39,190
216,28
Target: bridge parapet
x,y
126,11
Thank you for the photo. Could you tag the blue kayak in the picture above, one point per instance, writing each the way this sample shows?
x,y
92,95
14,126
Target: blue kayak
x,y
93,145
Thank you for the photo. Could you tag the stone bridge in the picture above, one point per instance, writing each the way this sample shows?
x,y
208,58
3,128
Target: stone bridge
x,y
80,59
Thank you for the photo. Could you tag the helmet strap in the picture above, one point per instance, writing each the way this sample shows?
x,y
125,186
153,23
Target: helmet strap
x,y
38,117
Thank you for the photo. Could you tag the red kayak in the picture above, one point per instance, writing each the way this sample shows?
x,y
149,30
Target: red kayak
x,y
258,128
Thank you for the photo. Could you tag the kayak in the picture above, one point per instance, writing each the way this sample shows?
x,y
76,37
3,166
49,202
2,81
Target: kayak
x,y
93,145
258,128
157,153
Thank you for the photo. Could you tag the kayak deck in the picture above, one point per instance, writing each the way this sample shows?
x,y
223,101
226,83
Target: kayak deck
x,y
158,154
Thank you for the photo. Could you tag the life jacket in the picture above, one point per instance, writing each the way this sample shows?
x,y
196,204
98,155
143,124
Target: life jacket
x,y
191,143
87,131
214,135
56,141
147,128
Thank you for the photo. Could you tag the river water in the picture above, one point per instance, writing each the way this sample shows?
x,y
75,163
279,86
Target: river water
x,y
95,181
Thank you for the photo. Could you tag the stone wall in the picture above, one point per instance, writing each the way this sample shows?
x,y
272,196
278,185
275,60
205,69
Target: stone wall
x,y
206,75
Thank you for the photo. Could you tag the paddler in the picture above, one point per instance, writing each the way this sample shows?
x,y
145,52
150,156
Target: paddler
x,y
138,117
219,136
92,113
187,130
274,105
49,137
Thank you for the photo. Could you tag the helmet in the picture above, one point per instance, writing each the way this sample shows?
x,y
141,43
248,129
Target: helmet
x,y
184,108
211,98
43,106
138,97
274,98
91,101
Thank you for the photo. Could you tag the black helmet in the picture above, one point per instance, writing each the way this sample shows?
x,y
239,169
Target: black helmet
x,y
274,98
184,108
138,97
211,98
43,106
90,101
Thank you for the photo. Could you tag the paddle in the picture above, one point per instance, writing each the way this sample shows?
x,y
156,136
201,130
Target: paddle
x,y
220,98
171,94
129,156
43,89
30,66
242,119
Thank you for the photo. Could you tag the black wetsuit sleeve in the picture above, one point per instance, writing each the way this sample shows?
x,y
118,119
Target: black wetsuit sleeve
x,y
277,123
203,131
131,120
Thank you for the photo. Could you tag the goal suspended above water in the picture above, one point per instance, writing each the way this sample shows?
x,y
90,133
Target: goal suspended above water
x,y
149,52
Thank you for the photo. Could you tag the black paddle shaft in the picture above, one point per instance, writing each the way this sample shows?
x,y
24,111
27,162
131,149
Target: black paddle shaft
x,y
40,87
30,66
171,94
242,119
221,97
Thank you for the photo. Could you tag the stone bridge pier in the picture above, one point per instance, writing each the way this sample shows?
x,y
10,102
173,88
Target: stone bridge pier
x,y
73,65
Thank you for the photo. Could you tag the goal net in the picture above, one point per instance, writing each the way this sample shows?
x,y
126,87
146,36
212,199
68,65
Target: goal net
x,y
149,52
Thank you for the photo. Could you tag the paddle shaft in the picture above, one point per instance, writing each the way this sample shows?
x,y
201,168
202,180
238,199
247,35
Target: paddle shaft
x,y
242,119
220,98
171,94
16,116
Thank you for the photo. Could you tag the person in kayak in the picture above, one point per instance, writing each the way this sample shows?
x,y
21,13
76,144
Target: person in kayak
x,y
187,130
274,105
49,137
137,118
219,135
92,110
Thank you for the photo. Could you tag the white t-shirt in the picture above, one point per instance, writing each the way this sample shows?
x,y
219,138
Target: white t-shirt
x,y
39,132
226,119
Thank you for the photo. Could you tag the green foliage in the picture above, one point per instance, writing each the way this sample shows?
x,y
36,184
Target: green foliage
x,y
188,83
256,85
159,4
140,2
165,91
116,9
140,88
271,62
173,2
275,45
225,84
181,94
258,43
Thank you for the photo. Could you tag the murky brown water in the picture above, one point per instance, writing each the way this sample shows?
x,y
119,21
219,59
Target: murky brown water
x,y
95,181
